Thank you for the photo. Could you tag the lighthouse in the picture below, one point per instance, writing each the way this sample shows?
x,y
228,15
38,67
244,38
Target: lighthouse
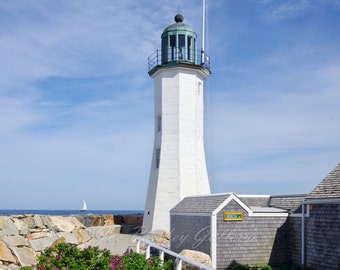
x,y
178,167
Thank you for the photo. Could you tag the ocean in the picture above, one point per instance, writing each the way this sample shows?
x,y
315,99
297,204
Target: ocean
x,y
10,212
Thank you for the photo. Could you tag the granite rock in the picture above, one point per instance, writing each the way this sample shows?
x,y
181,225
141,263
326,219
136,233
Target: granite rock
x,y
197,256
5,253
25,255
7,227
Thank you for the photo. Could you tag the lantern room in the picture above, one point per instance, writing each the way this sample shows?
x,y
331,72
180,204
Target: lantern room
x,y
179,48
179,42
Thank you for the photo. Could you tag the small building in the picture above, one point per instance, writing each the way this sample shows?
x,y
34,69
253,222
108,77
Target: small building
x,y
262,229
231,228
321,224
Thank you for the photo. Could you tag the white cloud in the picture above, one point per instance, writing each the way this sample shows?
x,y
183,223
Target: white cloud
x,y
15,115
285,9
282,105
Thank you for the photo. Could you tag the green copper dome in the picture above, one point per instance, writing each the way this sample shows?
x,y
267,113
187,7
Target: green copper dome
x,y
179,26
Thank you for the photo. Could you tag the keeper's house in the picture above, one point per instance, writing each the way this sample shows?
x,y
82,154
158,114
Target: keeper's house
x,y
231,228
263,229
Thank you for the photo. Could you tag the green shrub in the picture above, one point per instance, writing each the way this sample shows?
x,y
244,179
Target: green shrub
x,y
240,267
298,267
69,257
265,267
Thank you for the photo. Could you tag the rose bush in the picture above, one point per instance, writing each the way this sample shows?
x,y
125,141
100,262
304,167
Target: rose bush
x,y
69,257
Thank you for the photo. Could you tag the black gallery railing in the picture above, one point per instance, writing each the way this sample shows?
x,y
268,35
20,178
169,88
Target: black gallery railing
x,y
176,54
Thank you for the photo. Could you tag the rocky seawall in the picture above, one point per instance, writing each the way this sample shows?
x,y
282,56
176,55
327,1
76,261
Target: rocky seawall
x,y
24,237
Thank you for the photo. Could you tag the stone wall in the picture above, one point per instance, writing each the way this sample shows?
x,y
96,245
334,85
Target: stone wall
x,y
24,237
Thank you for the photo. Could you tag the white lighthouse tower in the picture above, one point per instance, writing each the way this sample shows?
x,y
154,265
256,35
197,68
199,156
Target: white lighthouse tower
x,y
178,167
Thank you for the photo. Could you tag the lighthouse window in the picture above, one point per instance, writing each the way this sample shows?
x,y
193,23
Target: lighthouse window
x,y
181,45
159,123
199,88
189,48
173,46
158,156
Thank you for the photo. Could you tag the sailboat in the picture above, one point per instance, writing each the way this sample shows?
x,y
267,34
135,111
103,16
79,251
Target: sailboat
x,y
84,209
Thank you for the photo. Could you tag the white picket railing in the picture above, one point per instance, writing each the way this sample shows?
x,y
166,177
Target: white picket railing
x,y
179,258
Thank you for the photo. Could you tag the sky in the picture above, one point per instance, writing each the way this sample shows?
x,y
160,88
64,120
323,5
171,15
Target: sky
x,y
76,101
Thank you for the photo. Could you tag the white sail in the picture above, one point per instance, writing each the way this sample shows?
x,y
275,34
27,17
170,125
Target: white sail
x,y
84,206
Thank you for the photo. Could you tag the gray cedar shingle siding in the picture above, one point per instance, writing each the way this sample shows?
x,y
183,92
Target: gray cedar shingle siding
x,y
190,232
329,187
253,241
295,243
323,237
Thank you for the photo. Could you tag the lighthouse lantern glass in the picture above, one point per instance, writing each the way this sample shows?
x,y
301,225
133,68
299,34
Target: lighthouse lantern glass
x,y
173,47
181,45
165,49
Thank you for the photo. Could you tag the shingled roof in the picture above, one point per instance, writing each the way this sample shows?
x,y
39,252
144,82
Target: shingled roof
x,y
291,203
329,187
200,204
206,204
255,201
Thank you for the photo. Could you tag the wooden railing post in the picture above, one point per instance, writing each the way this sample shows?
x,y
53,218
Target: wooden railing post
x,y
178,264
179,258
137,245
148,247
161,255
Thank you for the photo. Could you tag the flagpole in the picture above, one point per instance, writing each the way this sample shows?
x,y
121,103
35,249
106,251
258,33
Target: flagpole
x,y
203,31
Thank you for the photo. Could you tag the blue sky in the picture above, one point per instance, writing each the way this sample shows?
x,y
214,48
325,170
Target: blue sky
x,y
76,102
